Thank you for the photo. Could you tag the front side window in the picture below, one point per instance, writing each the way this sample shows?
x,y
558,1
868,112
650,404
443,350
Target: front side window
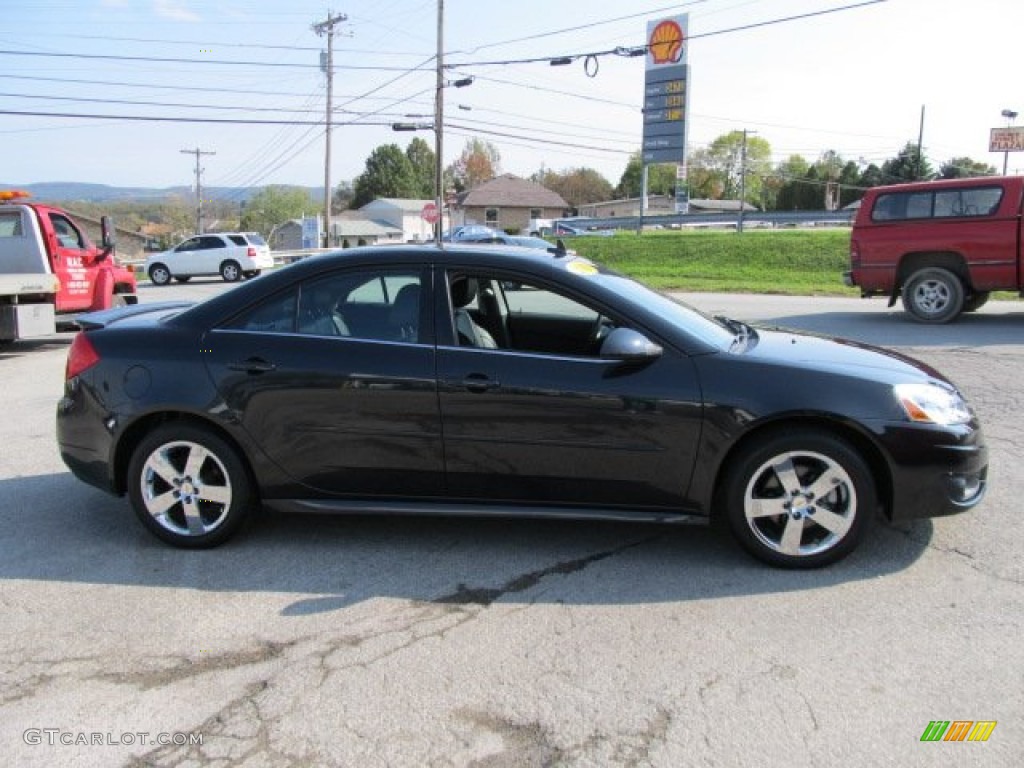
x,y
495,312
67,234
192,244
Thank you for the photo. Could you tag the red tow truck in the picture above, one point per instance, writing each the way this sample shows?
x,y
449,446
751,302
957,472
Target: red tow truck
x,y
50,271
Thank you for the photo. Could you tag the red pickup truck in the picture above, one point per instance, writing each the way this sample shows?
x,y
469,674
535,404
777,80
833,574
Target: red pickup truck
x,y
943,245
50,271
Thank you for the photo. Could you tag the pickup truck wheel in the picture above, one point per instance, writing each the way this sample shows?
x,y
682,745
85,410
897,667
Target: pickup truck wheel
x,y
976,301
230,271
159,274
933,295
118,300
189,487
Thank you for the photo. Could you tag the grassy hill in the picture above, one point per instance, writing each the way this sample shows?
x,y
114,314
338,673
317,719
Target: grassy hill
x,y
789,261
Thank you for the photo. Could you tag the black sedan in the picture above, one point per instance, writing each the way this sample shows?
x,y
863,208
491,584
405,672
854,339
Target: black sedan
x,y
476,380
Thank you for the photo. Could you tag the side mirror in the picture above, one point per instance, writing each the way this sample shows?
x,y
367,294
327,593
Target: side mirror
x,y
107,237
630,346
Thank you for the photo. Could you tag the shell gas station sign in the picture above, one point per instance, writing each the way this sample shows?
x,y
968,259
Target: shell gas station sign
x,y
665,91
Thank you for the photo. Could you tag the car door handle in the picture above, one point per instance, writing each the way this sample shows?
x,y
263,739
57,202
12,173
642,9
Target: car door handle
x,y
478,382
253,365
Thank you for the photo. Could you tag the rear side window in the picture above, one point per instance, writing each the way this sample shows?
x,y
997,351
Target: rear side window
x,y
207,242
237,240
946,203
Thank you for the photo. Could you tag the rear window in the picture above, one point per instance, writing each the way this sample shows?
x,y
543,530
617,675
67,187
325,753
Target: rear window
x,y
237,240
255,238
941,204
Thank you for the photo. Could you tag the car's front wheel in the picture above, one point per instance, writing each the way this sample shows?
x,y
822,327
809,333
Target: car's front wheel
x,y
230,271
799,499
159,274
188,486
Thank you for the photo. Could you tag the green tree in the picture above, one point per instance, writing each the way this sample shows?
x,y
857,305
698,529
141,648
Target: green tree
x,y
480,161
421,157
725,158
577,186
964,167
661,178
909,165
388,174
275,205
342,196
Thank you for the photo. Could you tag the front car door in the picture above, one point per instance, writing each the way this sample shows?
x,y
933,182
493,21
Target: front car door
x,y
541,418
71,264
334,380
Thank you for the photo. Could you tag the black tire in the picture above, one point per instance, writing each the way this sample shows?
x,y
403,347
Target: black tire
x,y
933,295
159,274
183,278
230,271
976,301
818,522
162,493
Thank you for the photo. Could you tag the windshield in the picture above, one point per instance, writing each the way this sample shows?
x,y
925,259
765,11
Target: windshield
x,y
679,313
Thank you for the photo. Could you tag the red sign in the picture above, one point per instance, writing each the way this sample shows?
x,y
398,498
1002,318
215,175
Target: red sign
x,y
430,213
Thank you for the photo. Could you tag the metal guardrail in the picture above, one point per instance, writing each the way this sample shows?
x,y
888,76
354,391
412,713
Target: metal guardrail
x,y
751,219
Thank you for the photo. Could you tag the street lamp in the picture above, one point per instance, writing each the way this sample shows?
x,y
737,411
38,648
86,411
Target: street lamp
x,y
1010,116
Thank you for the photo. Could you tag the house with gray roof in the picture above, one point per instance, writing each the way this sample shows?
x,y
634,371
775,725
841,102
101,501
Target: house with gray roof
x,y
508,202
402,214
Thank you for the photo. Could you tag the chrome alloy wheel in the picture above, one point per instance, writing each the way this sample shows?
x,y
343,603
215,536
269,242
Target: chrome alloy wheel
x,y
186,488
932,297
800,503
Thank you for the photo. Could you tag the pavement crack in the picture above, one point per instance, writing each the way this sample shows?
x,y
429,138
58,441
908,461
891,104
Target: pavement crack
x,y
485,596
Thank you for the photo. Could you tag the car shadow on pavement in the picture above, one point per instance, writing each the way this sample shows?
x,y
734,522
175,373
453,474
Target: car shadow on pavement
x,y
55,529
32,346
896,329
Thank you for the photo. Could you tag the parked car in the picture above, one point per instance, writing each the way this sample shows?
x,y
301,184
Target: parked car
x,y
232,255
408,380
522,241
563,229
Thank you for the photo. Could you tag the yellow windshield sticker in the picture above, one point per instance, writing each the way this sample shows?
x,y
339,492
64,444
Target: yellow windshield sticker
x,y
581,267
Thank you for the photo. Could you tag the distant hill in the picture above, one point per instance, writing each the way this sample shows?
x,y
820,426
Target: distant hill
x,y
70,191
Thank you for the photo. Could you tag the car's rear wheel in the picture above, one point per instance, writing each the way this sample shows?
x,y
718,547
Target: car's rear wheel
x,y
183,278
230,271
933,295
159,274
188,486
799,499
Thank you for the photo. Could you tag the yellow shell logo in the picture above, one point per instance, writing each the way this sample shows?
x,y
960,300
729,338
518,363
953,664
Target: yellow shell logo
x,y
666,42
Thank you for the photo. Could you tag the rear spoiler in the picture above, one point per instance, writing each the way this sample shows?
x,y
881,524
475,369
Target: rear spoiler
x,y
104,317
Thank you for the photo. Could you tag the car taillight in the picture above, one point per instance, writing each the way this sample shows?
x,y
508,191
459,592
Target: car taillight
x,y
81,356
252,252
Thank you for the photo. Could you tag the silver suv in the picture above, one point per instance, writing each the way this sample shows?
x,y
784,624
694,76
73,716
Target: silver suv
x,y
232,255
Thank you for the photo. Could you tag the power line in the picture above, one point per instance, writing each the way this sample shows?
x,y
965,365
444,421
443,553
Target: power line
x,y
183,60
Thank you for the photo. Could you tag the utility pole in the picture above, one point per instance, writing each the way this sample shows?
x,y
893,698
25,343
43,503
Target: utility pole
x,y
327,27
199,186
439,130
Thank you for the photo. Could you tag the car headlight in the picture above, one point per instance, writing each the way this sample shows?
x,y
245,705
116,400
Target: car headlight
x,y
932,404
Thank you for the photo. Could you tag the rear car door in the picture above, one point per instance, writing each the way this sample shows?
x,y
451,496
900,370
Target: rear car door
x,y
334,379
542,418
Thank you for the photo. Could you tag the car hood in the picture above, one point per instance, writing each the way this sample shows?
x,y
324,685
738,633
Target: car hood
x,y
836,355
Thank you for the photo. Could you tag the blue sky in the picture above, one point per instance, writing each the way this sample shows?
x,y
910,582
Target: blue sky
x,y
853,81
